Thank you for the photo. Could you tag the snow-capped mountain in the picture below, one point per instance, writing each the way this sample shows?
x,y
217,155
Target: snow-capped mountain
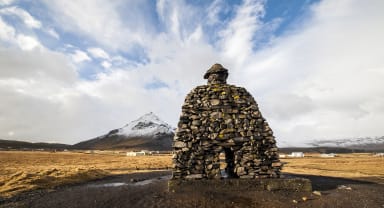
x,y
147,132
358,143
147,125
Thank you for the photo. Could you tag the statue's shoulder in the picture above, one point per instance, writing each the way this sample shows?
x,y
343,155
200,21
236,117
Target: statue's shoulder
x,y
227,87
238,89
235,87
199,88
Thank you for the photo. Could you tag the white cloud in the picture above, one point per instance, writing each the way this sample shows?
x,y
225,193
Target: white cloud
x,y
53,33
101,21
9,36
7,32
179,19
23,15
6,2
70,110
35,87
98,53
237,38
80,56
27,42
106,64
27,66
213,12
321,80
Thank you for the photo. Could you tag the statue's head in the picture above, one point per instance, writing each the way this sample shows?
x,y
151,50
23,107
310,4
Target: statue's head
x,y
217,74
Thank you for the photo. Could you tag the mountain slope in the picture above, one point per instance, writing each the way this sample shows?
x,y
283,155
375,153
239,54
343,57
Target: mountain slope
x,y
368,143
147,132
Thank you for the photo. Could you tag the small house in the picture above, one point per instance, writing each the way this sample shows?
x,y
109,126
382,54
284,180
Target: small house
x,y
296,154
380,154
328,155
135,153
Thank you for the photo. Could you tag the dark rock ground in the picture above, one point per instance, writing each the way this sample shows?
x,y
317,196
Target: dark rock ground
x,y
150,190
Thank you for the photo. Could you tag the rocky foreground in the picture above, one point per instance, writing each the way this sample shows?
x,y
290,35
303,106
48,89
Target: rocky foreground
x,y
151,190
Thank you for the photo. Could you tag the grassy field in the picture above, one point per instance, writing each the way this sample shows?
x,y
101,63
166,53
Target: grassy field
x,y
361,166
21,170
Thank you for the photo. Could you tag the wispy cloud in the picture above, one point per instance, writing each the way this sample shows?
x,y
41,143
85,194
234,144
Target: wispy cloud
x,y
27,42
98,53
237,38
53,33
325,74
106,64
23,15
101,21
80,56
6,2
7,32
9,35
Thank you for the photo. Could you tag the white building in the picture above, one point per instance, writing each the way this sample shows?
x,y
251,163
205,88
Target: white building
x,y
296,154
381,154
328,155
135,153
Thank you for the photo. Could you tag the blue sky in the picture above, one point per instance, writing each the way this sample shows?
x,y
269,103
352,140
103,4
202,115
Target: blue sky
x,y
276,16
73,70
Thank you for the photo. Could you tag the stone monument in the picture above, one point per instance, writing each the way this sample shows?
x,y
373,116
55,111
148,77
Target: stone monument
x,y
222,134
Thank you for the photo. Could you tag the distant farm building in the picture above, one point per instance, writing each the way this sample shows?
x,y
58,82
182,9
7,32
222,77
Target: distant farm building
x,y
141,153
296,154
282,155
381,154
147,152
328,155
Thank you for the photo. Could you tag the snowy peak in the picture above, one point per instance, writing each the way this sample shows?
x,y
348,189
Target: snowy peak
x,y
149,118
147,125
147,132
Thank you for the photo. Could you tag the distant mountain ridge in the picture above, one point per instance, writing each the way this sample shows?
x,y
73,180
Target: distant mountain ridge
x,y
12,144
367,143
147,132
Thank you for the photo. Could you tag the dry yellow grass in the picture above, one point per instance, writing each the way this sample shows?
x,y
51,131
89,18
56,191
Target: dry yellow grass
x,y
21,171
362,166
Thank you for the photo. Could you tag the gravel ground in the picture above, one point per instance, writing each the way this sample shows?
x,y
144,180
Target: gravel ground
x,y
150,190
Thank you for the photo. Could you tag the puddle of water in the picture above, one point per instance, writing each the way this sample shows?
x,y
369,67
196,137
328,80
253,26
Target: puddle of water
x,y
146,182
106,185
139,183
142,183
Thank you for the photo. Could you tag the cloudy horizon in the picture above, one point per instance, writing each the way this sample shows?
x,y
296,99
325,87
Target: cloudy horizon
x,y
73,70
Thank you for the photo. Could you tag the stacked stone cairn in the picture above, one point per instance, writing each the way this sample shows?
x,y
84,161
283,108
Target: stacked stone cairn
x,y
220,119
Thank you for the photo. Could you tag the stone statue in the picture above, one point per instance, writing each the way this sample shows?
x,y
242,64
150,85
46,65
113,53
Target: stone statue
x,y
221,133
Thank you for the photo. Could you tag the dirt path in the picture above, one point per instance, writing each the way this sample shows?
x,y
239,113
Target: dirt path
x,y
150,190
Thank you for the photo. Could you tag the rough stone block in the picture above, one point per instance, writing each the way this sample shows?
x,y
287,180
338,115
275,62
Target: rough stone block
x,y
242,184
